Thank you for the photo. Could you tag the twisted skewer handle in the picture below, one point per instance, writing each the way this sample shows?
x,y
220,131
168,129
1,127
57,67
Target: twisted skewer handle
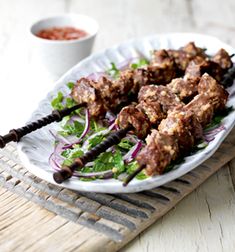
x,y
112,139
56,116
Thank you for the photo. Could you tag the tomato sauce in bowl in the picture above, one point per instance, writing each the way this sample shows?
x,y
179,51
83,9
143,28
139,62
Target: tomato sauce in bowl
x,y
62,33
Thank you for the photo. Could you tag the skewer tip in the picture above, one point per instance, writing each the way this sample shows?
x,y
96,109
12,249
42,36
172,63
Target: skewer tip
x,y
132,175
61,176
58,177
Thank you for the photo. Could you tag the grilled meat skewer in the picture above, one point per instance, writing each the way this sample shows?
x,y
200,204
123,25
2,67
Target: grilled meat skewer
x,y
183,122
177,134
107,95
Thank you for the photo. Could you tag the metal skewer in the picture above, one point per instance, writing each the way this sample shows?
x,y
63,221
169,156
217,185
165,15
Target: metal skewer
x,y
56,116
112,139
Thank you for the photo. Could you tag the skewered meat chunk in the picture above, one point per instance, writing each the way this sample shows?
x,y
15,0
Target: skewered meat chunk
x,y
198,66
162,94
130,115
84,92
202,108
184,126
184,89
216,93
223,59
140,78
187,53
153,111
162,68
154,104
193,50
125,82
161,149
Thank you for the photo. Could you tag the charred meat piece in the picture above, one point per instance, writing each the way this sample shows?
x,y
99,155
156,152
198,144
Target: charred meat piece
x,y
214,91
130,115
141,77
162,68
187,53
198,66
184,126
223,59
153,111
84,92
162,95
124,83
202,108
184,89
193,50
161,149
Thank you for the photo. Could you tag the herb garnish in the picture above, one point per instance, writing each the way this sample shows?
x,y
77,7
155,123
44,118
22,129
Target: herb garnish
x,y
219,117
114,72
140,63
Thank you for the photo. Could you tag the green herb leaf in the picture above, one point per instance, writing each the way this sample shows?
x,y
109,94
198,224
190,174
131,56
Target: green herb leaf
x,y
109,161
95,140
70,85
126,144
56,103
132,166
140,63
73,128
113,71
219,117
71,154
96,127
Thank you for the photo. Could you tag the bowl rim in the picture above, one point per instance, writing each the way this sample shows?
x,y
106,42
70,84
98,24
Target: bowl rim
x,y
72,41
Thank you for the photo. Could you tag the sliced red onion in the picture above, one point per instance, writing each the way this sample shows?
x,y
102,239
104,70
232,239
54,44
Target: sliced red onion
x,y
103,174
77,118
85,131
210,134
53,163
96,76
89,164
59,137
111,117
131,154
215,130
125,64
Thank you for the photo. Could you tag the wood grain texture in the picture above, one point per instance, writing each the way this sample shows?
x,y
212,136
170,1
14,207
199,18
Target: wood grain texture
x,y
204,221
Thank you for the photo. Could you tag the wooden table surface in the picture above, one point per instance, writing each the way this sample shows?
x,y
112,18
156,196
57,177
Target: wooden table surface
x,y
204,221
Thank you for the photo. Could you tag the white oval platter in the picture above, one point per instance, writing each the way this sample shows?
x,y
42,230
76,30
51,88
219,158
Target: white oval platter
x,y
35,148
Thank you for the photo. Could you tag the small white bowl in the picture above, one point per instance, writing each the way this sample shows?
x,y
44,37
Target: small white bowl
x,y
60,55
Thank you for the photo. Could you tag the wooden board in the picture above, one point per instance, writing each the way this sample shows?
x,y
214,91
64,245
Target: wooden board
x,y
112,220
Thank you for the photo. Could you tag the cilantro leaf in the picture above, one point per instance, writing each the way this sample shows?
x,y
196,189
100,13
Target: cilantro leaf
x,y
95,140
140,63
109,161
71,154
113,71
73,128
70,85
126,144
132,166
56,103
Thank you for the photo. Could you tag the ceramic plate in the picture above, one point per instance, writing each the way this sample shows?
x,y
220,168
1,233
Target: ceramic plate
x,y
36,148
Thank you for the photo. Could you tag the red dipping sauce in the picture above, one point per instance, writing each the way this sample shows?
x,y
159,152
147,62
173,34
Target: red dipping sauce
x,y
62,33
